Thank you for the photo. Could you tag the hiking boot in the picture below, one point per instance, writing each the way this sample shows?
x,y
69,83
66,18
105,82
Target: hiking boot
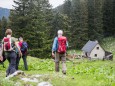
x,y
7,75
64,72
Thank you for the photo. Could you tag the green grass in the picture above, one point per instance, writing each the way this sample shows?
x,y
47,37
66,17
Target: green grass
x,y
80,72
89,73
109,44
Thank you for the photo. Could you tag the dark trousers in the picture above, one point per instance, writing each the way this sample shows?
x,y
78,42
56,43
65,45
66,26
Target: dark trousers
x,y
11,57
17,61
24,60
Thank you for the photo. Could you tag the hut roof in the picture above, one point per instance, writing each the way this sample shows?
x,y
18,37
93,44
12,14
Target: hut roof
x,y
89,46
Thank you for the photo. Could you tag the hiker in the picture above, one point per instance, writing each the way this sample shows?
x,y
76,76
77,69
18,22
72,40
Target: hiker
x,y
18,57
3,59
59,51
23,47
1,56
8,44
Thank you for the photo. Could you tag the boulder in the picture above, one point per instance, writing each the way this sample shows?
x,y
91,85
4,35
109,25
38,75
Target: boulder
x,y
15,74
29,80
44,84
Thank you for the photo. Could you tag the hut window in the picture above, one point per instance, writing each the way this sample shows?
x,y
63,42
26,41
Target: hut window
x,y
95,55
97,48
86,54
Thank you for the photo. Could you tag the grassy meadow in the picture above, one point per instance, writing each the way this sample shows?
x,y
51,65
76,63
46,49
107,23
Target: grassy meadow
x,y
80,72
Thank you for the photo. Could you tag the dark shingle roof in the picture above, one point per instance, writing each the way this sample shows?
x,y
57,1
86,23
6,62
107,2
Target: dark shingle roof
x,y
89,46
107,53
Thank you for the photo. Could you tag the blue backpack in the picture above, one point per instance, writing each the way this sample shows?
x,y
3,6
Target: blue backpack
x,y
24,47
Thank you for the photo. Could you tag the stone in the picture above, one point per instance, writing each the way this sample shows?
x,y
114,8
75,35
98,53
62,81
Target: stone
x,y
29,80
44,84
37,76
15,74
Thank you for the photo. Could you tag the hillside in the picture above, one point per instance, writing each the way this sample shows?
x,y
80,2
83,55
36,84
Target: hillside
x,y
59,8
81,72
4,12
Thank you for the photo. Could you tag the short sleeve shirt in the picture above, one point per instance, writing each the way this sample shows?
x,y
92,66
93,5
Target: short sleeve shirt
x,y
13,40
20,44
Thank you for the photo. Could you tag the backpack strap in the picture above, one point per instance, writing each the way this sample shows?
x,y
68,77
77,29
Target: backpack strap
x,y
12,43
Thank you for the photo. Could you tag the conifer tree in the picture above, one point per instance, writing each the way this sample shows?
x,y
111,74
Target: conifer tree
x,y
61,21
95,19
108,17
79,23
67,8
33,21
3,26
0,30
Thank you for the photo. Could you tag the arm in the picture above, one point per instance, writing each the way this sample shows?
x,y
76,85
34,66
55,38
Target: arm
x,y
54,47
20,53
1,57
67,45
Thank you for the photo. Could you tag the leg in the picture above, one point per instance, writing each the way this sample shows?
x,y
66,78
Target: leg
x,y
2,63
63,59
12,65
57,62
17,61
25,62
8,69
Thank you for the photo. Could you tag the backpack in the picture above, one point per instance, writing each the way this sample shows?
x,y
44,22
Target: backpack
x,y
62,44
7,44
24,47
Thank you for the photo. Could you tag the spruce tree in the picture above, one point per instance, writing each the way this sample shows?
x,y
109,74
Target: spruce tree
x,y
95,19
67,8
0,30
83,32
33,21
61,21
108,18
114,18
18,17
75,24
79,23
3,26
98,20
91,23
40,27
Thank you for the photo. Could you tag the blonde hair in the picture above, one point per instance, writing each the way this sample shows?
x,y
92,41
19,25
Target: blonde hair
x,y
8,32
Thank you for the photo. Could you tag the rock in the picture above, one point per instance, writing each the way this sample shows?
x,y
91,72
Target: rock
x,y
15,74
44,84
37,76
72,78
17,84
29,80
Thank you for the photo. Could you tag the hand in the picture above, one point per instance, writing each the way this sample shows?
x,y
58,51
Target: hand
x,y
1,58
53,55
20,54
